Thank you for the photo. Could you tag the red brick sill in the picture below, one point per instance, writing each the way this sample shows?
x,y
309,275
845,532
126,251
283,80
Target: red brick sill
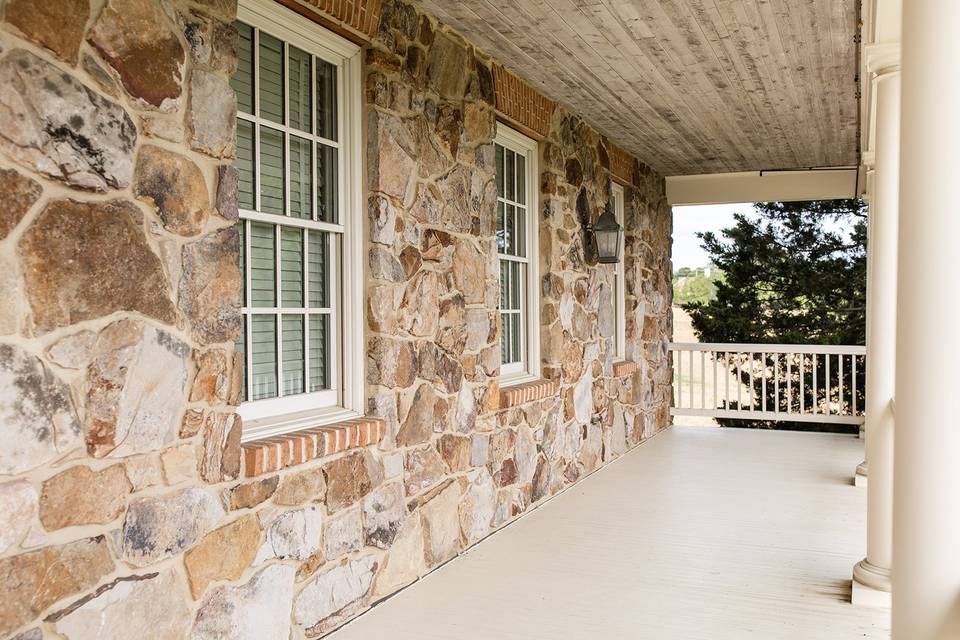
x,y
624,368
303,445
528,392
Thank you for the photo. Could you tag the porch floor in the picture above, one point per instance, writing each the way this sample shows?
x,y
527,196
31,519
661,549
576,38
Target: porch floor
x,y
699,533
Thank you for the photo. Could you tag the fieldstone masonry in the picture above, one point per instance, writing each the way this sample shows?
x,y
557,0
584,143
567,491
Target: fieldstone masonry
x,y
125,497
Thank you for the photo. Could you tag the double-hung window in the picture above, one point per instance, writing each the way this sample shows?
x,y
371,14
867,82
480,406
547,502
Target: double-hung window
x,y
517,242
619,284
298,145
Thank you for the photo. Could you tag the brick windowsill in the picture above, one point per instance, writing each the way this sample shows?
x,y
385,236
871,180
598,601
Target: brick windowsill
x,y
624,368
290,449
528,392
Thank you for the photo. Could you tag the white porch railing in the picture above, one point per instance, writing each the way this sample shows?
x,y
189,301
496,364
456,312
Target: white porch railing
x,y
777,382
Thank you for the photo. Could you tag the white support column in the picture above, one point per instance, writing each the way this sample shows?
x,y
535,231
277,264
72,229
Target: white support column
x,y
860,475
926,534
871,576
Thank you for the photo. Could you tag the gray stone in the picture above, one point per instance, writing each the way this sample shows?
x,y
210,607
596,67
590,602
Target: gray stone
x,y
152,604
383,220
259,609
228,185
136,386
477,506
385,266
212,115
343,533
73,351
163,526
583,398
13,312
18,504
383,512
441,525
38,422
211,290
56,126
292,534
405,562
334,595
478,328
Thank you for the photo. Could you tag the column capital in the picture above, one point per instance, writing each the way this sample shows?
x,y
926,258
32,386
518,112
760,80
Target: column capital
x,y
882,58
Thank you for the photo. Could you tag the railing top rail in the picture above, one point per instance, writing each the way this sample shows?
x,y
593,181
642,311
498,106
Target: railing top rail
x,y
829,349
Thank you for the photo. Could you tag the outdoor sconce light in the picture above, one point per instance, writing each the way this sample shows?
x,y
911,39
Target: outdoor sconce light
x,y
606,233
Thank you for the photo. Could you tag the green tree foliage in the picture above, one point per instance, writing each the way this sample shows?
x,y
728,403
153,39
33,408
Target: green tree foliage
x,y
794,273
695,285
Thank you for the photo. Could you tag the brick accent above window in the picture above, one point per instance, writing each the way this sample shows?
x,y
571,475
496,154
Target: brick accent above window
x,y
342,16
521,103
290,449
621,163
528,392
624,368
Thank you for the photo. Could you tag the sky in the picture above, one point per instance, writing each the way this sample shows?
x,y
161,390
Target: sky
x,y
689,220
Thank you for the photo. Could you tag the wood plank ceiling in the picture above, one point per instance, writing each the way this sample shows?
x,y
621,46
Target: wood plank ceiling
x,y
688,86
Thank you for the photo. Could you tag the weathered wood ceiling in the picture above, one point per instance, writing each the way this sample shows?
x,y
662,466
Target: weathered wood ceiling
x,y
689,86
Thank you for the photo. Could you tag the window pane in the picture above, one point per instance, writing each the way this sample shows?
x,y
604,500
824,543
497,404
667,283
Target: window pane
x,y
271,171
242,79
501,223
241,347
516,285
510,174
271,78
327,187
521,238
500,171
242,230
504,283
291,267
319,330
292,354
301,178
263,281
246,195
521,179
515,338
264,357
505,338
298,76
509,231
318,269
326,100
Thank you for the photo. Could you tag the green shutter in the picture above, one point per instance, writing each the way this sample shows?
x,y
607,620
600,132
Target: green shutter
x,y
242,78
298,83
301,178
263,265
271,78
291,267
271,171
264,357
292,354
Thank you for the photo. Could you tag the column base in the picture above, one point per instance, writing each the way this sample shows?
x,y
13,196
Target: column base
x,y
860,476
871,585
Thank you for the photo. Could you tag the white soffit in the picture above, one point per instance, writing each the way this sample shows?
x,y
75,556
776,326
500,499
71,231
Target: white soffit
x,y
765,186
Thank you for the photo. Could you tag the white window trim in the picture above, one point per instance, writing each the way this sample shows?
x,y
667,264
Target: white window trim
x,y
281,415
528,369
619,279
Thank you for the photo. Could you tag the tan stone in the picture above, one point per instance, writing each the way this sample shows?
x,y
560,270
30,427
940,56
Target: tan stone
x,y
34,581
405,560
334,595
79,259
391,362
13,313
179,463
192,422
80,495
441,526
244,496
469,272
298,488
57,26
423,468
419,424
348,480
18,504
158,527
455,451
258,609
223,554
143,471
343,533
212,115
136,38
18,193
175,186
220,458
212,383
211,289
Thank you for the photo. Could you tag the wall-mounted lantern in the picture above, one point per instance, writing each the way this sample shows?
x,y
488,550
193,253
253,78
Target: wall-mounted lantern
x,y
607,232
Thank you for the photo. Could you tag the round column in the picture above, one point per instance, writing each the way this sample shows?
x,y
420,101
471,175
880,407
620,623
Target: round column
x,y
926,532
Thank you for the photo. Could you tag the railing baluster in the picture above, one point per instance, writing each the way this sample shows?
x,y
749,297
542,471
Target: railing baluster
x,y
690,386
763,382
813,401
776,382
726,380
827,381
750,393
739,385
840,409
703,380
679,355
789,359
803,375
853,385
713,358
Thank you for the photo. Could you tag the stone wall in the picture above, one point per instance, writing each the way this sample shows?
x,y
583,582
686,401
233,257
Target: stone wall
x,y
121,480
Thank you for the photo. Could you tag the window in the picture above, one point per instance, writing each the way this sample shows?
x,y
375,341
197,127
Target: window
x,y
298,144
619,284
517,240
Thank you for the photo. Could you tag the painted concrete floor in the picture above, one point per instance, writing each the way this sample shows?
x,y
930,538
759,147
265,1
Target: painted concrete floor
x,y
700,533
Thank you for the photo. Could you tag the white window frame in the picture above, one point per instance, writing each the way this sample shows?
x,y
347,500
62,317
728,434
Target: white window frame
x,y
619,280
528,369
345,398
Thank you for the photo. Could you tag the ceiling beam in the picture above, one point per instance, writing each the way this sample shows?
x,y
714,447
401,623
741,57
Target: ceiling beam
x,y
765,186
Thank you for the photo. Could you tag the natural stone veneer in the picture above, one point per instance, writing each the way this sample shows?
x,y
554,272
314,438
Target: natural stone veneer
x,y
131,501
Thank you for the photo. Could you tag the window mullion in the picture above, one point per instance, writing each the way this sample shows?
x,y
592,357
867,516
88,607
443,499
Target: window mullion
x,y
279,316
307,303
248,318
256,113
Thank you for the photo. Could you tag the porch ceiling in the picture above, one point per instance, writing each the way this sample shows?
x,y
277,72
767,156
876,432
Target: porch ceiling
x,y
689,86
